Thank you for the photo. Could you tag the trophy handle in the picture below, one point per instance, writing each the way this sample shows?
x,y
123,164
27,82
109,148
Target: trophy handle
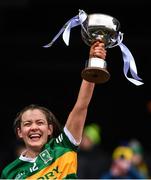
x,y
117,41
96,71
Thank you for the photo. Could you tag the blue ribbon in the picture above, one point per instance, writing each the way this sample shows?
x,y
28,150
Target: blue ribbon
x,y
75,21
129,64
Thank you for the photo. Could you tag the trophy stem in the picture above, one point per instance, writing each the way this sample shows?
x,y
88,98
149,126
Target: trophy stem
x,y
96,71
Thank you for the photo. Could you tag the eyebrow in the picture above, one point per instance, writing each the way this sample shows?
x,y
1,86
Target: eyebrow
x,y
32,120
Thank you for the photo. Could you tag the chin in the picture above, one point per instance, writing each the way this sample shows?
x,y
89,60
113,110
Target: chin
x,y
36,145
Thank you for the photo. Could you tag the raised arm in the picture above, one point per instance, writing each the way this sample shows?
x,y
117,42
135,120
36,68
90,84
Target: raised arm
x,y
76,119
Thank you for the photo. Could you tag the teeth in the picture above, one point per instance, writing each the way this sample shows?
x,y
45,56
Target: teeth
x,y
35,136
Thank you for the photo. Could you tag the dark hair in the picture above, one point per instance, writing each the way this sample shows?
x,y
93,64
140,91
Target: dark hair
x,y
50,117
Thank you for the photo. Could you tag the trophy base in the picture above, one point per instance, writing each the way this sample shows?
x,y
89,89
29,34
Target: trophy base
x,y
95,75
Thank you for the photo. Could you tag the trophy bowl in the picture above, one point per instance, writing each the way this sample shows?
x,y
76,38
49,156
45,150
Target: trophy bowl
x,y
104,28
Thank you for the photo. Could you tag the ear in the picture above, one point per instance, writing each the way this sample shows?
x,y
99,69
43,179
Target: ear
x,y
50,129
19,133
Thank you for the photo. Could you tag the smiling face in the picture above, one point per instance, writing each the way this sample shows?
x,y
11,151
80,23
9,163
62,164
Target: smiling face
x,y
34,129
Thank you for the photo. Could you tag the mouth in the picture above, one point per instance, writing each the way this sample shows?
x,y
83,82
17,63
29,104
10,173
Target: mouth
x,y
35,136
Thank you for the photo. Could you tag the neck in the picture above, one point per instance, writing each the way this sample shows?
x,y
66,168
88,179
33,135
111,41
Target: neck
x,y
30,153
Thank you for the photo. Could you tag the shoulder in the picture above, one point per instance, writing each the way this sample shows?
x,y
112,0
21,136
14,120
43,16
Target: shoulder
x,y
9,168
63,140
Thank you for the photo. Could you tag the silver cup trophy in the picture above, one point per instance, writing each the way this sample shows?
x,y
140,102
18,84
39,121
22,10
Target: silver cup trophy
x,y
104,28
99,27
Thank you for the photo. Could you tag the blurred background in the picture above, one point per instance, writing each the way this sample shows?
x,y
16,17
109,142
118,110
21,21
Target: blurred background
x,y
51,77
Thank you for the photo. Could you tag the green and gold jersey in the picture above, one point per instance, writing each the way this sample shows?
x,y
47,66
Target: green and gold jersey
x,y
57,160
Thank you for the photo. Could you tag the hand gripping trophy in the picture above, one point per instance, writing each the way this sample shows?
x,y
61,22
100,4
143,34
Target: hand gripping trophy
x,y
105,28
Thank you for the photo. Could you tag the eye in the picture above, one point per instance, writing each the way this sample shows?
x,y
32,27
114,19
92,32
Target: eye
x,y
40,123
27,124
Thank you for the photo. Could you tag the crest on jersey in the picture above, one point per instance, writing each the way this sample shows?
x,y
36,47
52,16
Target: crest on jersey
x,y
45,156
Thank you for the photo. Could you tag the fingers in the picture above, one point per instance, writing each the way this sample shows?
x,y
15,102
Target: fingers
x,y
98,50
98,43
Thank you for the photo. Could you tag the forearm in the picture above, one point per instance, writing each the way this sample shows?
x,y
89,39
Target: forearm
x,y
77,116
85,95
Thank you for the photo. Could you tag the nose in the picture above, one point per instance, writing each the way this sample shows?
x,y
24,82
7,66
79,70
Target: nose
x,y
34,126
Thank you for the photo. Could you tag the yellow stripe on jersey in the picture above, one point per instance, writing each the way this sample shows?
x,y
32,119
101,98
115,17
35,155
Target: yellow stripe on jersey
x,y
63,166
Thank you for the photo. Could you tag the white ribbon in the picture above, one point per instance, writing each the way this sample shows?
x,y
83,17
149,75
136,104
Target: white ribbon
x,y
75,21
129,62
